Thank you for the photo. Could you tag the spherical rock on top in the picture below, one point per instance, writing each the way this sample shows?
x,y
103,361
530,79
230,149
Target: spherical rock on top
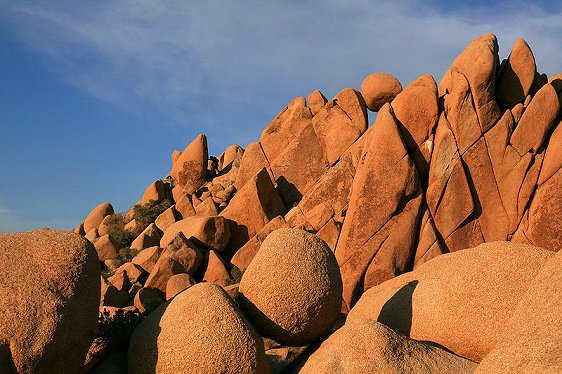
x,y
49,300
201,330
378,89
292,289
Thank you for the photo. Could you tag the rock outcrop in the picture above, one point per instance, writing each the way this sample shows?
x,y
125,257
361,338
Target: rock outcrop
x,y
433,215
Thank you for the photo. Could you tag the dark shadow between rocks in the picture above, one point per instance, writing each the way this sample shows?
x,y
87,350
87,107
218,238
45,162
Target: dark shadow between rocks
x,y
396,313
290,194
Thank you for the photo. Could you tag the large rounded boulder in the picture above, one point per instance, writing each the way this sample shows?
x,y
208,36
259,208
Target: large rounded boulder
x,y
200,330
292,289
460,300
97,215
367,346
532,340
49,299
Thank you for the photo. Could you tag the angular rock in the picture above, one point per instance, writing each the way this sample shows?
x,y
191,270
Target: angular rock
x,y
330,233
207,208
478,63
177,283
189,169
517,76
207,232
148,238
49,299
292,288
246,254
96,216
417,113
299,166
216,271
147,258
375,243
340,122
316,101
180,256
431,303
166,219
367,346
537,119
378,89
250,209
251,163
284,128
181,336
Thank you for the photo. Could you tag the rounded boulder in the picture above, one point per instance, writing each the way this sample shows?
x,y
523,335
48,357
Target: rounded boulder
x,y
292,289
378,89
460,300
49,300
200,330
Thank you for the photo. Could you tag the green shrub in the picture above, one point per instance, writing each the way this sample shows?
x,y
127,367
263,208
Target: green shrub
x,y
117,329
147,214
126,254
116,230
235,275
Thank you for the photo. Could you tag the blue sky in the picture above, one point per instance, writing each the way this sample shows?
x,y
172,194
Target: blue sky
x,y
95,96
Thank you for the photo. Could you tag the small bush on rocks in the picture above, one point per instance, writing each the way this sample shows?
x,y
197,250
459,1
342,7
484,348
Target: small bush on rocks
x,y
147,214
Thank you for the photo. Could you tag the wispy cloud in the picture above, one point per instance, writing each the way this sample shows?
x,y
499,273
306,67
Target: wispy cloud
x,y
211,62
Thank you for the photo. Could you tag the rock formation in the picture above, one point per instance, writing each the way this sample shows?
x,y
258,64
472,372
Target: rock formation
x,y
435,228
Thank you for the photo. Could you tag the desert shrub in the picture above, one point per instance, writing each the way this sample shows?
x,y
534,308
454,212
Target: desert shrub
x,y
147,213
126,254
235,275
107,272
116,330
116,230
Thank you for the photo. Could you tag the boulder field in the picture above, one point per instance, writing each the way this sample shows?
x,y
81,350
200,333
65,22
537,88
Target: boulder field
x,y
425,242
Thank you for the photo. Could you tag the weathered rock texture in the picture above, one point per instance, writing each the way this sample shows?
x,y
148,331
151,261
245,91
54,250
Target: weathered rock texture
x,y
445,167
292,289
49,299
461,301
367,346
200,330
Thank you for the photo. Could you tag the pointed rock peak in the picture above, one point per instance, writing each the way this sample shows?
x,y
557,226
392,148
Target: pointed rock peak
x,y
517,76
478,63
316,100
353,104
189,169
378,89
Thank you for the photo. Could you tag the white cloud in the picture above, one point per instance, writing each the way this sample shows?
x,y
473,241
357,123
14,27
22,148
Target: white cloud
x,y
204,63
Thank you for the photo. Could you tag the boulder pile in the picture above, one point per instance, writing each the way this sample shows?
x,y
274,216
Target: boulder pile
x,y
425,242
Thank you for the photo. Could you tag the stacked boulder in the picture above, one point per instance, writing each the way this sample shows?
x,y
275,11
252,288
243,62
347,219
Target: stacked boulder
x,y
445,167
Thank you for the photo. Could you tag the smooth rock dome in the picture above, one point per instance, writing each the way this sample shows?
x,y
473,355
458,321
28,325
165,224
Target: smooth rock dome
x,y
460,300
292,289
201,330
